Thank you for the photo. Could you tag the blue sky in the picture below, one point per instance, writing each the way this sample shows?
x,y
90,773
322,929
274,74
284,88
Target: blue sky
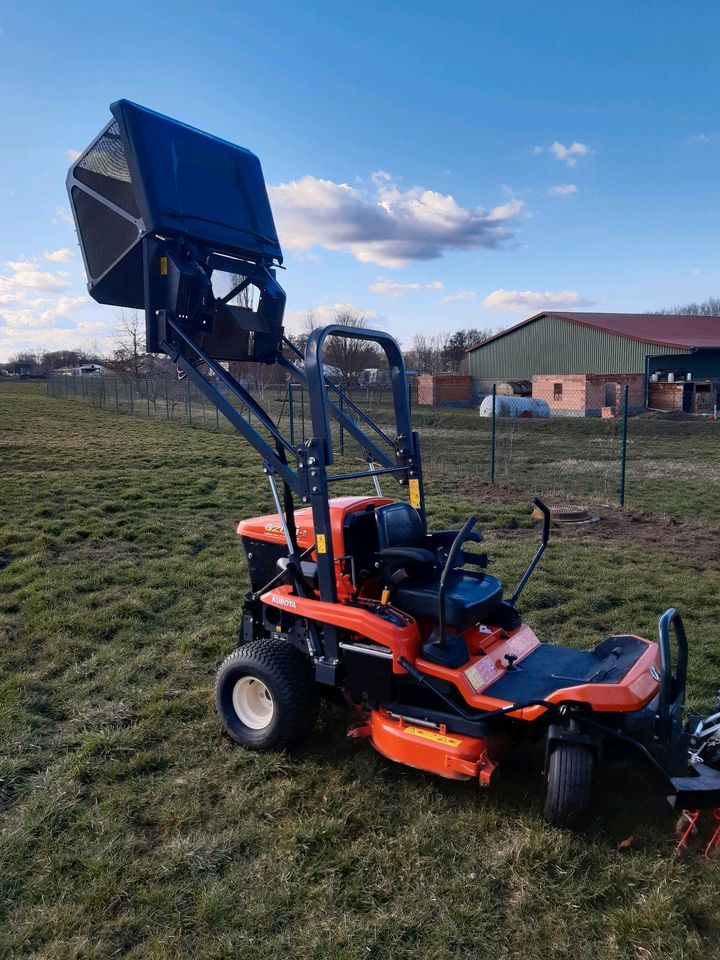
x,y
437,166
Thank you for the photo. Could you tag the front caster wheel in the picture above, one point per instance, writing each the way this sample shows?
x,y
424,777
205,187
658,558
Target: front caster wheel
x,y
266,695
569,783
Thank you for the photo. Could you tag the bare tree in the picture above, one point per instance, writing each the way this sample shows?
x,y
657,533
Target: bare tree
x,y
349,356
128,356
708,308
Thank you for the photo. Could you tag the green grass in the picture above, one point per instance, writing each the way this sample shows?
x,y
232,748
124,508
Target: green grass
x,y
131,827
672,467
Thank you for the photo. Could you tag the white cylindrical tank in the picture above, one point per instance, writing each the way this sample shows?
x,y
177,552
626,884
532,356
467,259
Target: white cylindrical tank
x,y
671,378
515,407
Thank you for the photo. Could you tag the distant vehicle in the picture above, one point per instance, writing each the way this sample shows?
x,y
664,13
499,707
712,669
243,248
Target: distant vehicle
x,y
84,370
373,377
332,373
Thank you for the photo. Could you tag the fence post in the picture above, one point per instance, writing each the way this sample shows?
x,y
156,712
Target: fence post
x,y
117,399
623,446
147,395
493,435
291,411
130,392
408,385
342,432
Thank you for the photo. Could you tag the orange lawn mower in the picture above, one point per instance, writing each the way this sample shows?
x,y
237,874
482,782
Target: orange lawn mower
x,y
354,597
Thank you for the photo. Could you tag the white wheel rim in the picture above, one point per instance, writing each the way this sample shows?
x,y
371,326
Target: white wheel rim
x,y
252,703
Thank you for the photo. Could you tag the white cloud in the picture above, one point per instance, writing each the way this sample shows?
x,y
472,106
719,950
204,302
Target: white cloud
x,y
72,154
59,256
460,295
701,138
563,190
62,216
534,300
567,154
25,276
385,225
393,289
39,309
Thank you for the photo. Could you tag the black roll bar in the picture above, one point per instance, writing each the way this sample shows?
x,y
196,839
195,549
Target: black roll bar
x,y
672,682
317,380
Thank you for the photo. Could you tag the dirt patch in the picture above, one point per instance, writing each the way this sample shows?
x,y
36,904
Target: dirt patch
x,y
698,544
695,543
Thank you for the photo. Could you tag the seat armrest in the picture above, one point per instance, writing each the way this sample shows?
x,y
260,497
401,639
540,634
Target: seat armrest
x,y
442,538
475,559
445,538
402,555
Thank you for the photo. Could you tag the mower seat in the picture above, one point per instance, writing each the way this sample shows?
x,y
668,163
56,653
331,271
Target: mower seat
x,y
404,543
469,597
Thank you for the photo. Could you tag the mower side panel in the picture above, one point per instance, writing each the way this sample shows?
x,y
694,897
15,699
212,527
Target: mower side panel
x,y
402,636
451,755
269,529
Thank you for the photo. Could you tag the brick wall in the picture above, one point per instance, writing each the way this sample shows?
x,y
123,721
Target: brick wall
x,y
569,399
450,389
590,395
605,390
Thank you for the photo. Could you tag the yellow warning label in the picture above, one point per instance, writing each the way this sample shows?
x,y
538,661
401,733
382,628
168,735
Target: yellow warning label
x,y
414,487
433,735
163,266
320,543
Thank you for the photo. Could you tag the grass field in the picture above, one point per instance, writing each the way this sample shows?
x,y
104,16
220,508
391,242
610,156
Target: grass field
x,y
132,828
673,467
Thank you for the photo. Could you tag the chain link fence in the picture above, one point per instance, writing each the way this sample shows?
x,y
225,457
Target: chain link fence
x,y
671,466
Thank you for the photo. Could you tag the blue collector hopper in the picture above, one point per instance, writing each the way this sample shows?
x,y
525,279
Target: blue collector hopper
x,y
148,174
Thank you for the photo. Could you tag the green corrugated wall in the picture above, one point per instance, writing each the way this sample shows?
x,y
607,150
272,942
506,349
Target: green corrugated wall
x,y
551,345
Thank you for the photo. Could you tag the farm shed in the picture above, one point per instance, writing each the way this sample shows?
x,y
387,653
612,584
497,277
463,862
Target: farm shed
x,y
444,389
553,343
590,394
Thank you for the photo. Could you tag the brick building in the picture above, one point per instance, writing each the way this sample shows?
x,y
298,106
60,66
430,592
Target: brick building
x,y
444,389
589,394
585,353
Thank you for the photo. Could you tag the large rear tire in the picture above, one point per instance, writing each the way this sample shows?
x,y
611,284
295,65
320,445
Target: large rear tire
x,y
569,783
266,696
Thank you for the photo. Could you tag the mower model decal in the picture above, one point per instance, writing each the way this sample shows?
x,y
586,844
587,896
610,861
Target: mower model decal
x,y
432,735
414,488
321,544
481,674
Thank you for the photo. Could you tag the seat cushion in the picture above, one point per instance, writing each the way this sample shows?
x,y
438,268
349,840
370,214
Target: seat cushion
x,y
399,525
469,597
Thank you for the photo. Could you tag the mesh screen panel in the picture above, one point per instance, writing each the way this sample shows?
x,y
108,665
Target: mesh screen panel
x,y
105,235
223,283
104,169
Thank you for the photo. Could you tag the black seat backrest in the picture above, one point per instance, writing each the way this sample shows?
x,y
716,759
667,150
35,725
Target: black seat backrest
x,y
399,525
361,539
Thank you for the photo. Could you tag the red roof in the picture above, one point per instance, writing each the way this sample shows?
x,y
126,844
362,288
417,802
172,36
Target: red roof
x,y
665,330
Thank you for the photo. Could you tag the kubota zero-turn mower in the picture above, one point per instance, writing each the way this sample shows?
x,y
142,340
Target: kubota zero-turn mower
x,y
354,595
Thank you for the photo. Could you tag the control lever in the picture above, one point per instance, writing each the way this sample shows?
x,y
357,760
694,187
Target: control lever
x,y
545,510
